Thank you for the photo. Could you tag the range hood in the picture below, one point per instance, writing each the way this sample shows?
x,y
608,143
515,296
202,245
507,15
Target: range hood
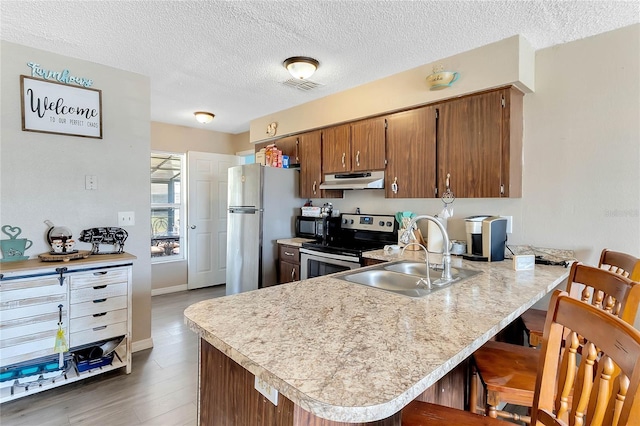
x,y
360,180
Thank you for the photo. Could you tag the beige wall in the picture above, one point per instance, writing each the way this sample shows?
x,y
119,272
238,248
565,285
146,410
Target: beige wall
x,y
581,179
42,176
180,139
577,193
171,276
241,142
509,61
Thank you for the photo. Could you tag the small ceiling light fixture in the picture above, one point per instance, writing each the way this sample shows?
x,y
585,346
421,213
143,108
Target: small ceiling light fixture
x,y
203,117
301,67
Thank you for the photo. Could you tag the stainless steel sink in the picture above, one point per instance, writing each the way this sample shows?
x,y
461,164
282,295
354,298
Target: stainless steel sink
x,y
420,269
404,278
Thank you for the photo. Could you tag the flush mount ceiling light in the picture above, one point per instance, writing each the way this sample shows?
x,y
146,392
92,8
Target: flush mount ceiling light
x,y
301,67
203,117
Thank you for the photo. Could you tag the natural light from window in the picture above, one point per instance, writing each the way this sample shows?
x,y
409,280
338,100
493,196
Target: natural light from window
x,y
167,207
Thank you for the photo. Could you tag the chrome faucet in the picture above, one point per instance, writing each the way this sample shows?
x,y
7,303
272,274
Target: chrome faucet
x,y
426,280
446,253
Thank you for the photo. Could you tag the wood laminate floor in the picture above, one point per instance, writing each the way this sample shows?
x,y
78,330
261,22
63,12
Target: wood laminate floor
x,y
160,391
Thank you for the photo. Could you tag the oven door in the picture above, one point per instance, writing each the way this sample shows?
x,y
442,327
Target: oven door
x,y
316,264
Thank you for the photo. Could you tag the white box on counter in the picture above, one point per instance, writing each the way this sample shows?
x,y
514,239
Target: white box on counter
x,y
524,262
311,211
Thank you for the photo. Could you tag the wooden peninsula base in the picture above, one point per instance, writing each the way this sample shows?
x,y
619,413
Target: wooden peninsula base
x,y
227,397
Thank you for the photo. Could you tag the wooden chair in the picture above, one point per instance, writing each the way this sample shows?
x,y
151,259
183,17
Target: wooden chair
x,y
508,372
620,263
604,392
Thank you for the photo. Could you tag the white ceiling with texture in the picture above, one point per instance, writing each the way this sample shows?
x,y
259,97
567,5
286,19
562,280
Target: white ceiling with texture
x,y
226,56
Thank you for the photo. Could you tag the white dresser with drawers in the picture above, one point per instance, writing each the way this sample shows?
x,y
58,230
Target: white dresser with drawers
x,y
91,298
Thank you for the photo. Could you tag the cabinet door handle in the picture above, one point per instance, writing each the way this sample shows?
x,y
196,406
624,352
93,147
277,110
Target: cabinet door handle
x,y
100,273
293,273
358,158
314,187
98,287
343,156
288,254
99,300
99,315
99,328
394,185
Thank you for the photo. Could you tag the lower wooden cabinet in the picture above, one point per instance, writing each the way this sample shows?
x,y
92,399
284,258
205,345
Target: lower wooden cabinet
x,y
366,261
289,263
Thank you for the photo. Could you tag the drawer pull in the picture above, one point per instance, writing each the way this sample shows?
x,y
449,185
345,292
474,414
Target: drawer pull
x,y
99,328
99,315
288,253
100,273
98,287
99,300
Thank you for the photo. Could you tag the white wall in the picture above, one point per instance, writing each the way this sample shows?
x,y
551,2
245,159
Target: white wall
x,y
42,176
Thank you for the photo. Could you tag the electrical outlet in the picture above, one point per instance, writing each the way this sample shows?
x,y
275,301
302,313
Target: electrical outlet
x,y
126,218
265,389
509,224
91,182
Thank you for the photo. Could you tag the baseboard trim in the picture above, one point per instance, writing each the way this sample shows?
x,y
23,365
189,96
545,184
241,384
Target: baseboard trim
x,y
167,290
141,345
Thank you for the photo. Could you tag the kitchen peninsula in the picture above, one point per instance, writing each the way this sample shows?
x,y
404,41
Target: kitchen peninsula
x,y
342,353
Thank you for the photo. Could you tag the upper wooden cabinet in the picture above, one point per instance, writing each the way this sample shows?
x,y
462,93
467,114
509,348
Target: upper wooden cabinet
x,y
290,146
310,150
358,146
368,145
479,144
336,150
411,154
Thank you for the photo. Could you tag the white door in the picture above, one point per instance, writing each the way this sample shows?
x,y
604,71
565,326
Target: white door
x,y
207,217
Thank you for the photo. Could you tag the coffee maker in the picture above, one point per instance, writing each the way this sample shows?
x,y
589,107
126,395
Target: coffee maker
x,y
486,238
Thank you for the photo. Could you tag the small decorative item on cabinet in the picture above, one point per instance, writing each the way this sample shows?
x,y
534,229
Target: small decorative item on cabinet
x,y
105,235
441,79
13,249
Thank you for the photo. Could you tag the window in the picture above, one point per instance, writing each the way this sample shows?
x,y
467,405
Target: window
x,y
167,207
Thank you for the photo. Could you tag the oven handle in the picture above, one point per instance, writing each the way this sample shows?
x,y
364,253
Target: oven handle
x,y
311,252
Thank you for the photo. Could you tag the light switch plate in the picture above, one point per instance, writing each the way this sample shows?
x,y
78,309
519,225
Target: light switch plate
x,y
126,218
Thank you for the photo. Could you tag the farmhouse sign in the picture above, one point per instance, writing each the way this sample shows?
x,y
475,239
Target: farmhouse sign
x,y
51,107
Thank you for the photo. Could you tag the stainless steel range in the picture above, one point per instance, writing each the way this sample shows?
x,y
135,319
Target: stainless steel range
x,y
357,233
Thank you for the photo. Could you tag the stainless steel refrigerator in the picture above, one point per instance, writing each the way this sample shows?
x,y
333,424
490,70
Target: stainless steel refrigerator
x,y
262,205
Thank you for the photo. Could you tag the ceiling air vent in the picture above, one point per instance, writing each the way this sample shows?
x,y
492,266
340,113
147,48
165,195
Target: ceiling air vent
x,y
304,85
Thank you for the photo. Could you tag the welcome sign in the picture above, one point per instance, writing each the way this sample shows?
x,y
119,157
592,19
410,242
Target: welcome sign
x,y
51,107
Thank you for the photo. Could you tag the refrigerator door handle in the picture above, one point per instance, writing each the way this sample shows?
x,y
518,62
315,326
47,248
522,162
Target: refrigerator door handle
x,y
244,210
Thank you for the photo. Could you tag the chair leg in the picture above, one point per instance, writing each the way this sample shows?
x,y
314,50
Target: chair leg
x,y
473,389
493,401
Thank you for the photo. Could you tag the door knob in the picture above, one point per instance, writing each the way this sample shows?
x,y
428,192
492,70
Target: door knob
x,y
193,227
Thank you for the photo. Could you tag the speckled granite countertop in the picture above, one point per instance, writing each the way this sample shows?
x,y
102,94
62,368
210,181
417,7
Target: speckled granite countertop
x,y
296,241
350,353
